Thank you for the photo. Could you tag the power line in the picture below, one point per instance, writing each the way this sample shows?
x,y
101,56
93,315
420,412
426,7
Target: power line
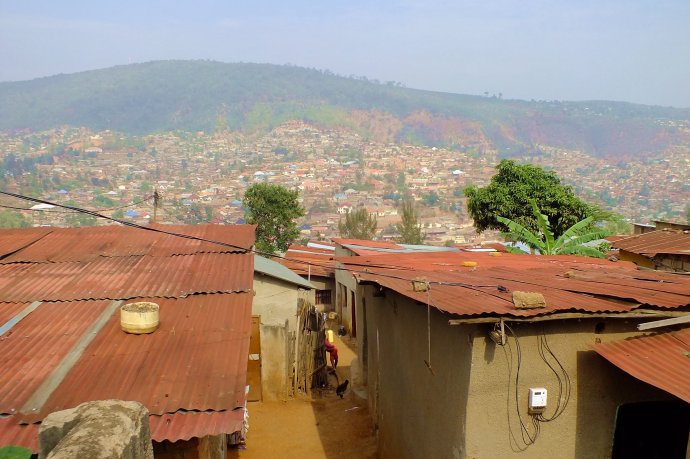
x,y
244,249
103,209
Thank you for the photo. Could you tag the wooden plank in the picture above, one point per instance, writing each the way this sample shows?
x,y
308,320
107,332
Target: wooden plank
x,y
572,315
665,322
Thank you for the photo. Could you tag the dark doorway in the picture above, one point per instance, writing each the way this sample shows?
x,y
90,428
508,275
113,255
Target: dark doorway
x,y
254,362
354,314
652,430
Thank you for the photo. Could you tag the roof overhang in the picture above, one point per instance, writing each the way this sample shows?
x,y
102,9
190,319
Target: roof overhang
x,y
661,360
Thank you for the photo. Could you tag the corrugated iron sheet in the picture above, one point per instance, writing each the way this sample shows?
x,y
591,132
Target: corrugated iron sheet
x,y
190,424
35,346
364,244
15,434
655,242
567,283
12,240
272,268
662,360
127,277
9,310
307,261
321,248
171,427
196,360
90,243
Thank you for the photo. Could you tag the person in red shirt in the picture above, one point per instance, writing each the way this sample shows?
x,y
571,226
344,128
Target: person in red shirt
x,y
333,351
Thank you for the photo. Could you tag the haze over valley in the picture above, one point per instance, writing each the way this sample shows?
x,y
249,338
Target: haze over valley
x,y
201,132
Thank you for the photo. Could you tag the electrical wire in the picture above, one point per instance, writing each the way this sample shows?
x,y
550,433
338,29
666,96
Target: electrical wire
x,y
103,209
245,249
564,381
527,438
564,389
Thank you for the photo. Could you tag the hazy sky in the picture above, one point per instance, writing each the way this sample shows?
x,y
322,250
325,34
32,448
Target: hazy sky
x,y
627,50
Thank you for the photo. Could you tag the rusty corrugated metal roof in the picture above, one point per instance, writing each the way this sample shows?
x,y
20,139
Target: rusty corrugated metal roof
x,y
662,360
9,310
12,240
364,243
567,283
35,346
196,360
182,425
89,243
190,424
656,242
307,260
15,434
127,277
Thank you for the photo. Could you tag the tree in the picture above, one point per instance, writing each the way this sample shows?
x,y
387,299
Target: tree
x,y
410,228
570,242
431,199
509,195
358,224
12,219
77,219
273,209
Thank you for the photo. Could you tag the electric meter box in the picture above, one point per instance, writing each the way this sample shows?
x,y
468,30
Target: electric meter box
x,y
536,400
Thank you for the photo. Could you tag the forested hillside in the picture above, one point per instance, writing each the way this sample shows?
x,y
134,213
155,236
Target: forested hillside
x,y
205,95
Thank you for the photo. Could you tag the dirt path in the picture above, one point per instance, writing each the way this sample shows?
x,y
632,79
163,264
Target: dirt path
x,y
323,427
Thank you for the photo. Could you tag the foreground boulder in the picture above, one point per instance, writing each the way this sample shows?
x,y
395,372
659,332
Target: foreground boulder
x,y
101,429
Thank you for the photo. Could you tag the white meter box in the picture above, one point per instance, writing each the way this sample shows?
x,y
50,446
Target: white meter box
x,y
537,400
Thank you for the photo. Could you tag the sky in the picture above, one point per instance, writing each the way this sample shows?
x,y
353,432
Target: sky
x,y
624,50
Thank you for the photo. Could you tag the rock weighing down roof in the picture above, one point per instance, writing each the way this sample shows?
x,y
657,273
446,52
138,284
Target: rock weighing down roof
x,y
482,284
60,337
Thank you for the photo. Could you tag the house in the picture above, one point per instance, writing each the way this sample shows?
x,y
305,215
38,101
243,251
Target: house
x,y
60,337
664,250
278,291
314,262
345,283
474,355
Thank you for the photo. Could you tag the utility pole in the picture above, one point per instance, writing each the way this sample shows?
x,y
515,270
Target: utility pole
x,y
156,202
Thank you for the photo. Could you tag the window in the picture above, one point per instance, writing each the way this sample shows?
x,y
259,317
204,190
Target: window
x,y
323,297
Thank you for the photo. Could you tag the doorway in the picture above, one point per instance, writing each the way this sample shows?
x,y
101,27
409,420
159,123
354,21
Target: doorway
x,y
254,361
652,430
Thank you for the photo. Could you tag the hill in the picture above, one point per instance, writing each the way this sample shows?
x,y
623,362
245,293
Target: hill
x,y
206,95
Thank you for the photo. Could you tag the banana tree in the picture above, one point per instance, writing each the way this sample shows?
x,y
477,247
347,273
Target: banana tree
x,y
571,242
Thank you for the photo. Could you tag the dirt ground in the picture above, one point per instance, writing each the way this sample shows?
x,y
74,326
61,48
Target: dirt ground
x,y
324,426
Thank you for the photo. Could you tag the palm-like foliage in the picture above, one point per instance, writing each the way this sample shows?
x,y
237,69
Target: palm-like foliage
x,y
569,243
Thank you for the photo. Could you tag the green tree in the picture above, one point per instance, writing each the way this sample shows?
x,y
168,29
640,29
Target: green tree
x,y
103,201
509,195
12,219
570,242
400,184
431,199
358,224
410,227
273,209
77,219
